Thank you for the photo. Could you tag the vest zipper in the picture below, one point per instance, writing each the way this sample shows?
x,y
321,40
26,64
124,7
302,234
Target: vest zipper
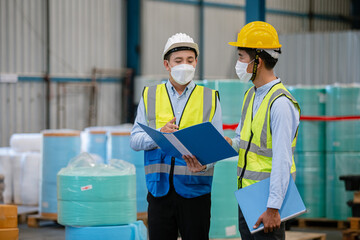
x,y
171,174
245,161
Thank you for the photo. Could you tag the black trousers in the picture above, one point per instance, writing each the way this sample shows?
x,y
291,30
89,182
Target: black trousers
x,y
278,234
171,214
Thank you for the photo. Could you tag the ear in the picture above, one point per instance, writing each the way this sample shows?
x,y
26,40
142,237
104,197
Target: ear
x,y
166,65
261,63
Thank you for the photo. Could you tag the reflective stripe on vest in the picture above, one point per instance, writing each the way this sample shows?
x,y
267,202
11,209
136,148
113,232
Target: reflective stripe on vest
x,y
178,170
256,155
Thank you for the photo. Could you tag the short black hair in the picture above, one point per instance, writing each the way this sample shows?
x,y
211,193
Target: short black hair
x,y
269,61
168,54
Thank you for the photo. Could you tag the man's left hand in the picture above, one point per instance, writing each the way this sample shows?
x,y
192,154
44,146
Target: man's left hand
x,y
193,164
271,220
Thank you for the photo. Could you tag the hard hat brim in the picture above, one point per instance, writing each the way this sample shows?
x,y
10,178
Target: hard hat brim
x,y
237,44
182,44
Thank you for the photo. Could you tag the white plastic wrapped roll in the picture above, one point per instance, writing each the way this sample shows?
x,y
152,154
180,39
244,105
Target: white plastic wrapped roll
x,y
6,170
26,142
26,178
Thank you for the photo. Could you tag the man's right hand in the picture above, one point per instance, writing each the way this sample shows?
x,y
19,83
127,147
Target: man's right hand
x,y
228,140
170,127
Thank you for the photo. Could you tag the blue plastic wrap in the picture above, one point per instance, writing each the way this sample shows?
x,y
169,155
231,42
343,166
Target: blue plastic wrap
x,y
343,136
97,142
95,194
119,148
133,231
224,207
59,146
338,164
310,180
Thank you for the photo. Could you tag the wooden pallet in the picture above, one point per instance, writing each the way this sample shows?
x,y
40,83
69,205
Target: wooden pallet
x,y
290,235
143,216
320,222
24,211
351,234
354,223
34,220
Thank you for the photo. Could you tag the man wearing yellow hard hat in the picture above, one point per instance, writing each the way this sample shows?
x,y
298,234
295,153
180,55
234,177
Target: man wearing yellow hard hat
x,y
179,188
267,131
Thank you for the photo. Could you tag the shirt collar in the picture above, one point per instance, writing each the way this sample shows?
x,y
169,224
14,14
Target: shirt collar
x,y
172,90
266,87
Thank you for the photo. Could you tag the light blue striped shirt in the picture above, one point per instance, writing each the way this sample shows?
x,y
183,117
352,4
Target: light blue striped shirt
x,y
284,121
141,141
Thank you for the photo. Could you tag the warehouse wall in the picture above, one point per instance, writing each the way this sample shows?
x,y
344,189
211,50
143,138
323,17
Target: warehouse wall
x,y
222,21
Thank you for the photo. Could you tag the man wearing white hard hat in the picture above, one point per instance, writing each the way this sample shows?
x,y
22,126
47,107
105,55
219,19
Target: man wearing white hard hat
x,y
179,189
267,131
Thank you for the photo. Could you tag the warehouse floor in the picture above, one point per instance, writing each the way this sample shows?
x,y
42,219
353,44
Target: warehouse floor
x,y
52,231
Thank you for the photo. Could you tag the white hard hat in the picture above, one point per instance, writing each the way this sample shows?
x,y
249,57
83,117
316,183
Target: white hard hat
x,y
180,41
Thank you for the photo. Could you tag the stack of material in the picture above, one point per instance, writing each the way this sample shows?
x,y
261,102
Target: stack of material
x,y
343,151
6,171
26,161
224,207
310,150
8,222
2,188
119,148
96,141
59,147
98,197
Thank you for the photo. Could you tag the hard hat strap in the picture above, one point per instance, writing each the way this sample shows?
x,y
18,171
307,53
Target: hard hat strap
x,y
256,62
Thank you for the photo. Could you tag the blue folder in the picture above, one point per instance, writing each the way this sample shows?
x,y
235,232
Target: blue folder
x,y
253,200
202,141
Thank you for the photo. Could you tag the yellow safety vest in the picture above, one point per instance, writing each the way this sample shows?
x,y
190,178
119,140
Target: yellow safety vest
x,y
255,154
199,108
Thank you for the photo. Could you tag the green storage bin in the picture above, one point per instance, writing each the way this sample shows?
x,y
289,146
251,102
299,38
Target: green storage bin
x,y
338,164
310,180
224,207
311,136
343,136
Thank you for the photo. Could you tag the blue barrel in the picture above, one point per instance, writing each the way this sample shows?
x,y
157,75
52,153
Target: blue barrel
x,y
119,148
133,231
59,147
224,207
97,142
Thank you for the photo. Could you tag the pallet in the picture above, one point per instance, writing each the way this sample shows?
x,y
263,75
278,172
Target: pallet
x,y
290,235
351,234
354,223
34,220
143,216
320,222
24,211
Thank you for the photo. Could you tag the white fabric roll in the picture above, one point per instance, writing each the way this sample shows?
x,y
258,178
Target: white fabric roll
x,y
6,170
26,177
26,142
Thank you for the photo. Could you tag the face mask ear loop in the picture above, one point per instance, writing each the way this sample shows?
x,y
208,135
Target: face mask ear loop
x,y
256,63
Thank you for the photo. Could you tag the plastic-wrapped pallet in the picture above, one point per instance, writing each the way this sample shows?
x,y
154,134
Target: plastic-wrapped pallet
x,y
96,141
26,142
119,148
133,231
6,170
224,207
26,178
96,194
59,147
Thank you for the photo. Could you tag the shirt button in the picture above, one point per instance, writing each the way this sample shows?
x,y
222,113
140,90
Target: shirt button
x,y
178,112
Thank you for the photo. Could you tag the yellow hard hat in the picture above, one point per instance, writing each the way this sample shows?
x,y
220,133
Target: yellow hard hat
x,y
259,35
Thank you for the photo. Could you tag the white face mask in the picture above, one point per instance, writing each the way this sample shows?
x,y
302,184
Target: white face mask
x,y
182,73
241,71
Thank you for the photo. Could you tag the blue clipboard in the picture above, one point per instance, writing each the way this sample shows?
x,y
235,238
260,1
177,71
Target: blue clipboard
x,y
253,200
202,141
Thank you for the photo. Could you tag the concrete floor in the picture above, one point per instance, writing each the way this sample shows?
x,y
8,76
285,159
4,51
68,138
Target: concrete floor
x,y
52,231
